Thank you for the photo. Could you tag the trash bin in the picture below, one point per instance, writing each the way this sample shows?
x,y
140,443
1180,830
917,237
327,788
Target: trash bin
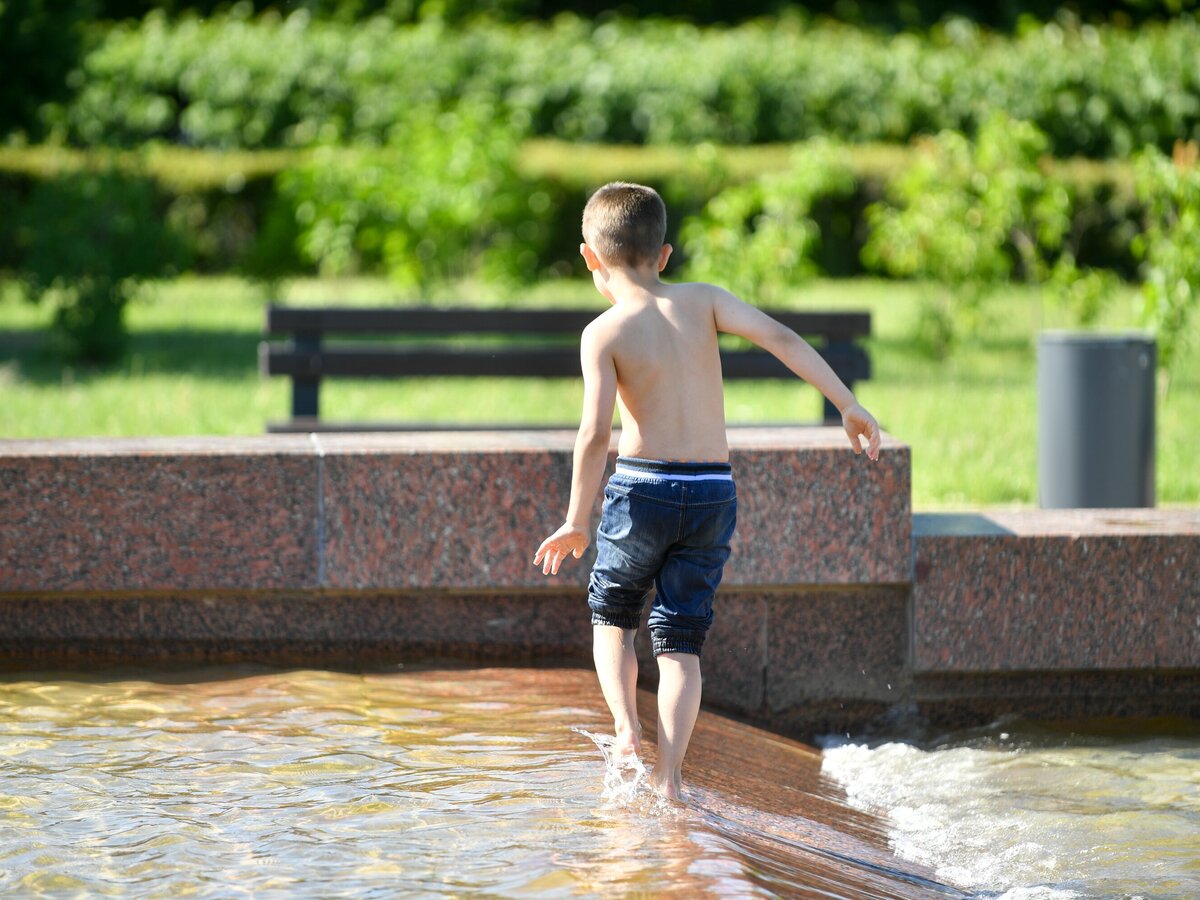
x,y
1095,420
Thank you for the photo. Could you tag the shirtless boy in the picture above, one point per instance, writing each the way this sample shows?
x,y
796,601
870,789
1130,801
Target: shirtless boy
x,y
670,507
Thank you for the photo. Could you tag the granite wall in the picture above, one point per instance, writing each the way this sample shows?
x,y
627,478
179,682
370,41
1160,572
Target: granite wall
x,y
839,607
427,511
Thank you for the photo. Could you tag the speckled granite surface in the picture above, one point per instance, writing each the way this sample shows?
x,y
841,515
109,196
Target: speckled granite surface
x,y
1057,590
827,644
301,625
402,511
450,519
815,513
442,510
136,519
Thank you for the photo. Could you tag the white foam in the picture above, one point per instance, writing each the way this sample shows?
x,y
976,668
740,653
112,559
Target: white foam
x,y
1024,822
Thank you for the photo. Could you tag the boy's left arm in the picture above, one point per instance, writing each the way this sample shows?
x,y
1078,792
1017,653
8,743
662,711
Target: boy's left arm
x,y
735,316
591,453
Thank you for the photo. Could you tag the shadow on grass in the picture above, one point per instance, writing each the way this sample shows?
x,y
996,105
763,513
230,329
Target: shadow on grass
x,y
203,353
207,353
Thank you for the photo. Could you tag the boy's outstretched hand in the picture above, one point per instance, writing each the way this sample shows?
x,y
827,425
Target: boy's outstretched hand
x,y
861,424
569,539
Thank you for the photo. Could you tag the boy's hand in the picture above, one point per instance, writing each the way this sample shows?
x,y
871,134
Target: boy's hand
x,y
569,539
861,424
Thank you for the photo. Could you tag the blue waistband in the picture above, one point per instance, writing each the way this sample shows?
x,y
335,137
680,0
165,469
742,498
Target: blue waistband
x,y
658,469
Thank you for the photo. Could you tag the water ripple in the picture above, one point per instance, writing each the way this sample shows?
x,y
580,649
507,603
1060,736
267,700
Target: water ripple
x,y
300,783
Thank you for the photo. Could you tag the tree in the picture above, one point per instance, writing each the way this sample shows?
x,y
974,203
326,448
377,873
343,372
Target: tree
x,y
1169,188
971,216
86,237
41,42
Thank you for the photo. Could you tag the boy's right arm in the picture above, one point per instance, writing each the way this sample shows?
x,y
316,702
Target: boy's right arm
x,y
591,452
734,316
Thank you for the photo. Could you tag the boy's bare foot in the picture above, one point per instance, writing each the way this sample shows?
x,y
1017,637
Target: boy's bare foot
x,y
628,742
667,784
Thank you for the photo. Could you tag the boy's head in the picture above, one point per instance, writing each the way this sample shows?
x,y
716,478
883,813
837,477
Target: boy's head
x,y
626,225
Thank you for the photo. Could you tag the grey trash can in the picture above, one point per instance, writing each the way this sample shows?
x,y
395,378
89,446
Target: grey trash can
x,y
1095,420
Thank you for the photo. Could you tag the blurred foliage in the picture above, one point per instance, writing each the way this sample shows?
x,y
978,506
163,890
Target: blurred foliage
x,y
85,239
440,201
238,82
456,11
229,209
1169,186
970,216
885,14
219,203
759,238
41,42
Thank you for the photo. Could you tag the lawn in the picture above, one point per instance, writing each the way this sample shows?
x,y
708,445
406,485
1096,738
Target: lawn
x,y
970,419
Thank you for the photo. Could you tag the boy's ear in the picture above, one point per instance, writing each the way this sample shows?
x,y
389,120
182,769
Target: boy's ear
x,y
663,255
590,257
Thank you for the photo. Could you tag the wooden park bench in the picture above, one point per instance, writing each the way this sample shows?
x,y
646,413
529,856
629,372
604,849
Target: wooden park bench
x,y
308,356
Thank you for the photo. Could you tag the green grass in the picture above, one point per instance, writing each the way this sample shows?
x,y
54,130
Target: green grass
x,y
971,419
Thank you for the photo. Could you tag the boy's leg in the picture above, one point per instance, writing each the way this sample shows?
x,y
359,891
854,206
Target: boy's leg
x,y
679,688
628,556
680,619
617,668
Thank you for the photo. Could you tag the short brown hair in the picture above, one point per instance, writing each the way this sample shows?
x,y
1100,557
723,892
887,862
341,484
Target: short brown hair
x,y
625,223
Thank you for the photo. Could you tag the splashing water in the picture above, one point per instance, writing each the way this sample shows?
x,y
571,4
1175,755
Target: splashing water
x,y
625,777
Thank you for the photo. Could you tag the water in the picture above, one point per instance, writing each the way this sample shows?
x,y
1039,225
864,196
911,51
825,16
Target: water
x,y
254,782
1029,812
249,781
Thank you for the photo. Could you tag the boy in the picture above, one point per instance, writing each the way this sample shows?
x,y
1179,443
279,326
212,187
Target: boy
x,y
670,507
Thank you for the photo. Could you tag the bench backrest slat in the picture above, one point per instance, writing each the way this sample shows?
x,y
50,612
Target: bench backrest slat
x,y
535,362
461,320
426,321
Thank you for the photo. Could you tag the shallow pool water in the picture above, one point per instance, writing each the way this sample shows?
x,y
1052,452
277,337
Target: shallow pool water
x,y
1018,810
253,782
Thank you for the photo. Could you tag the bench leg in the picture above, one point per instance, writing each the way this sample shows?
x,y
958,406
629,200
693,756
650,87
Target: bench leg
x,y
306,389
306,398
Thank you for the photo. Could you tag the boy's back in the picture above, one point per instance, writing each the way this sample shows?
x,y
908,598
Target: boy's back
x,y
670,506
663,344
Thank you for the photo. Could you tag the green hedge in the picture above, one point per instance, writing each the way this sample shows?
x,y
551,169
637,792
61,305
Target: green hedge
x,y
229,82
231,212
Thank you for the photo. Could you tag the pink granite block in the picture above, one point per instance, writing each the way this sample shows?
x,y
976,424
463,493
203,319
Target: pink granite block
x,y
505,624
455,510
1068,590
57,619
157,514
836,644
448,510
811,512
399,517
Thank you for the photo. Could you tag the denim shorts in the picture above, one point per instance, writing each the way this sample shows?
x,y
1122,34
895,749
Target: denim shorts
x,y
666,525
